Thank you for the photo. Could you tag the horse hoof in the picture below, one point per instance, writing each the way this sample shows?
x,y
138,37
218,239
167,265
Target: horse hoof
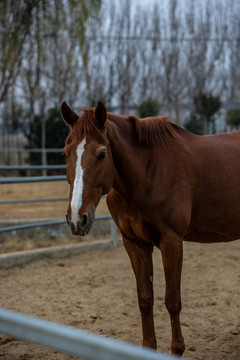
x,y
178,349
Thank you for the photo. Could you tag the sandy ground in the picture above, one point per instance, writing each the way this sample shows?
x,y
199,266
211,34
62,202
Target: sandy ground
x,y
96,291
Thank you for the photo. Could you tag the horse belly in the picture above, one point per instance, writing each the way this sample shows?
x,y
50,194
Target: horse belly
x,y
217,220
216,191
209,237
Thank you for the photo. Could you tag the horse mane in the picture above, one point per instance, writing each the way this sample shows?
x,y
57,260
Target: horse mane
x,y
155,131
151,131
86,124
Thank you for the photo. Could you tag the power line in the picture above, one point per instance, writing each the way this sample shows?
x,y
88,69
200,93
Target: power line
x,y
161,39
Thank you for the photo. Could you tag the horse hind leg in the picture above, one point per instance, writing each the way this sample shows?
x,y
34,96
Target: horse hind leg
x,y
172,254
140,255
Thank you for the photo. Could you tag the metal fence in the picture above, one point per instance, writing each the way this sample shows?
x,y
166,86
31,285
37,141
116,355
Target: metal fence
x,y
43,151
29,179
36,150
14,180
71,340
31,167
44,223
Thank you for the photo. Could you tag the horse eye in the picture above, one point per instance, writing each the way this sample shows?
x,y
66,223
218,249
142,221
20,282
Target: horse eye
x,y
101,156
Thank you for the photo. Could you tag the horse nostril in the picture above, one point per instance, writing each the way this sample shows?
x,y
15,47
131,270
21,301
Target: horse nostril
x,y
84,220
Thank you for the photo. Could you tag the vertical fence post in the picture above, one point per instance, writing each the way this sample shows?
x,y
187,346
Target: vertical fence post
x,y
43,140
44,161
113,233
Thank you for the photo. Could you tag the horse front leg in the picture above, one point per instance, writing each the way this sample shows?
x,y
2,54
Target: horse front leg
x,y
140,255
172,254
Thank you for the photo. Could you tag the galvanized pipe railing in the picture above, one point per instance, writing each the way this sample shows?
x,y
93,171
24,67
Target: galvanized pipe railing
x,y
23,201
32,150
15,180
31,167
44,223
71,340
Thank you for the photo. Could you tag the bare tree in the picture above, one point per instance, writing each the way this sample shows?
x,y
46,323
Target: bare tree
x,y
15,24
205,48
233,51
120,52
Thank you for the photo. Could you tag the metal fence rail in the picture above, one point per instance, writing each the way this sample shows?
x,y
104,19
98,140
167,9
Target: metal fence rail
x,y
33,150
28,226
31,167
45,223
2,202
71,340
15,180
37,179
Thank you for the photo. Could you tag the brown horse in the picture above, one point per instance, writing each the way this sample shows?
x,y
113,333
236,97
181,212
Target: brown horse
x,y
164,185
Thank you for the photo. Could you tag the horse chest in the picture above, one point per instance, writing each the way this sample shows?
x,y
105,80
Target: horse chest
x,y
133,223
135,226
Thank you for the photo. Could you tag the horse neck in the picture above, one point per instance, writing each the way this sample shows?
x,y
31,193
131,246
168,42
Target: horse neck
x,y
126,154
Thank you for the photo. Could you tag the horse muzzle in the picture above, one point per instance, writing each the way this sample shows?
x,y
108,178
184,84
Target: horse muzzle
x,y
83,224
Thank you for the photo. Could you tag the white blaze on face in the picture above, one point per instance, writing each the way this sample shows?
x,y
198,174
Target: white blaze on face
x,y
76,201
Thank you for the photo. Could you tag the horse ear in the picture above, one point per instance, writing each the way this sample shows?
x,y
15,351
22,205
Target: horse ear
x,y
101,114
68,114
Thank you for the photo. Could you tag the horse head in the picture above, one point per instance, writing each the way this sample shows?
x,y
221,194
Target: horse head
x,y
89,164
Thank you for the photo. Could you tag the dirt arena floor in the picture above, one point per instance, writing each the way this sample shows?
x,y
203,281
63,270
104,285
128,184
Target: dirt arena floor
x,y
96,291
